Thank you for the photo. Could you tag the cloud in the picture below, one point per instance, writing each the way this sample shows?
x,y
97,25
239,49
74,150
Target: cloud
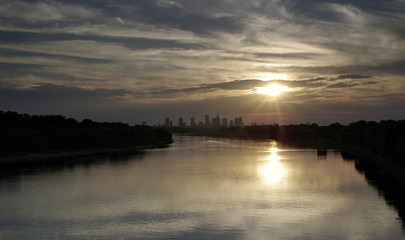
x,y
163,51
130,42
297,55
168,4
352,76
51,98
120,20
29,54
112,105
346,85
45,11
247,86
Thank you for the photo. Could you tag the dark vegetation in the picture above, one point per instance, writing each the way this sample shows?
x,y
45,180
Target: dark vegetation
x,y
21,133
384,138
380,145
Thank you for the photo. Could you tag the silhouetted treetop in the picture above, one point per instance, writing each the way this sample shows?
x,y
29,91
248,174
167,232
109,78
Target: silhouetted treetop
x,y
25,133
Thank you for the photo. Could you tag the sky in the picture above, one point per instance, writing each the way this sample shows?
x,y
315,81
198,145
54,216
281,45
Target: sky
x,y
144,60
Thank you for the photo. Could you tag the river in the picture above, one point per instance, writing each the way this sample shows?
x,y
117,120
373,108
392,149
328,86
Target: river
x,y
198,188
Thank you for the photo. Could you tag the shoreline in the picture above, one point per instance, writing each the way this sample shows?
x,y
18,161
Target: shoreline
x,y
387,176
55,155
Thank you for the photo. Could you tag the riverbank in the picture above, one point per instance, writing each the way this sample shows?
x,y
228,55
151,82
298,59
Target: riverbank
x,y
25,138
385,172
57,155
386,176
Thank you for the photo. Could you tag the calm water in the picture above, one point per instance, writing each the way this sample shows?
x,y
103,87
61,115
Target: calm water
x,y
199,188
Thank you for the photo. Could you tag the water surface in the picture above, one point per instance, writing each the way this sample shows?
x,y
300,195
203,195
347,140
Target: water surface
x,y
199,188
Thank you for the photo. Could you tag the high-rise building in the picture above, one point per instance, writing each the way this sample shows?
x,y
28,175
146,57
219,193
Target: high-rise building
x,y
216,121
207,121
181,122
167,122
192,122
238,122
224,122
231,123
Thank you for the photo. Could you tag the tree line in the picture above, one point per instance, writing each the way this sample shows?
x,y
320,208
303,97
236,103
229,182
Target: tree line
x,y
386,138
28,133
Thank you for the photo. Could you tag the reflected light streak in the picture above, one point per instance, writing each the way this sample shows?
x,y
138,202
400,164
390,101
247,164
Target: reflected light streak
x,y
273,171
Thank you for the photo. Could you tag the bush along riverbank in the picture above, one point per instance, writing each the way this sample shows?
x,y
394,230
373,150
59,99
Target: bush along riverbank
x,y
24,134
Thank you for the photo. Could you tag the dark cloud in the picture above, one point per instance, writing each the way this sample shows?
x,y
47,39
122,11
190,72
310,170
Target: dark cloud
x,y
342,85
4,66
287,55
169,93
185,15
248,84
189,19
29,54
58,99
346,85
316,9
65,93
251,84
11,70
236,85
394,68
18,37
352,76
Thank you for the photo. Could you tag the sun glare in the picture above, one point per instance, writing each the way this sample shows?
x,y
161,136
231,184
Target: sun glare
x,y
272,76
273,170
273,89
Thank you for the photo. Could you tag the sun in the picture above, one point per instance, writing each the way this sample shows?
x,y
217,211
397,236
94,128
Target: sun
x,y
273,89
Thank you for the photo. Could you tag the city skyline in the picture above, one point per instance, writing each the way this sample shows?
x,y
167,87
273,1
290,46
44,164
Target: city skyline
x,y
215,122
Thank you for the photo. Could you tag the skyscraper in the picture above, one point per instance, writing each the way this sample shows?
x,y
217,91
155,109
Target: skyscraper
x,y
192,122
224,122
238,122
181,122
216,121
167,122
207,121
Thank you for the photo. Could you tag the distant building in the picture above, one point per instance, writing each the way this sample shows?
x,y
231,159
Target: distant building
x,y
216,121
207,121
224,122
181,122
167,122
238,122
143,123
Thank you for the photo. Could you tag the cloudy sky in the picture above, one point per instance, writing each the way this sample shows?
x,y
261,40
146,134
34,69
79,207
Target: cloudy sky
x,y
144,60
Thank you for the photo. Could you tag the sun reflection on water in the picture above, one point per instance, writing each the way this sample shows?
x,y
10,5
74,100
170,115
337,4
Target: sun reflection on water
x,y
272,171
